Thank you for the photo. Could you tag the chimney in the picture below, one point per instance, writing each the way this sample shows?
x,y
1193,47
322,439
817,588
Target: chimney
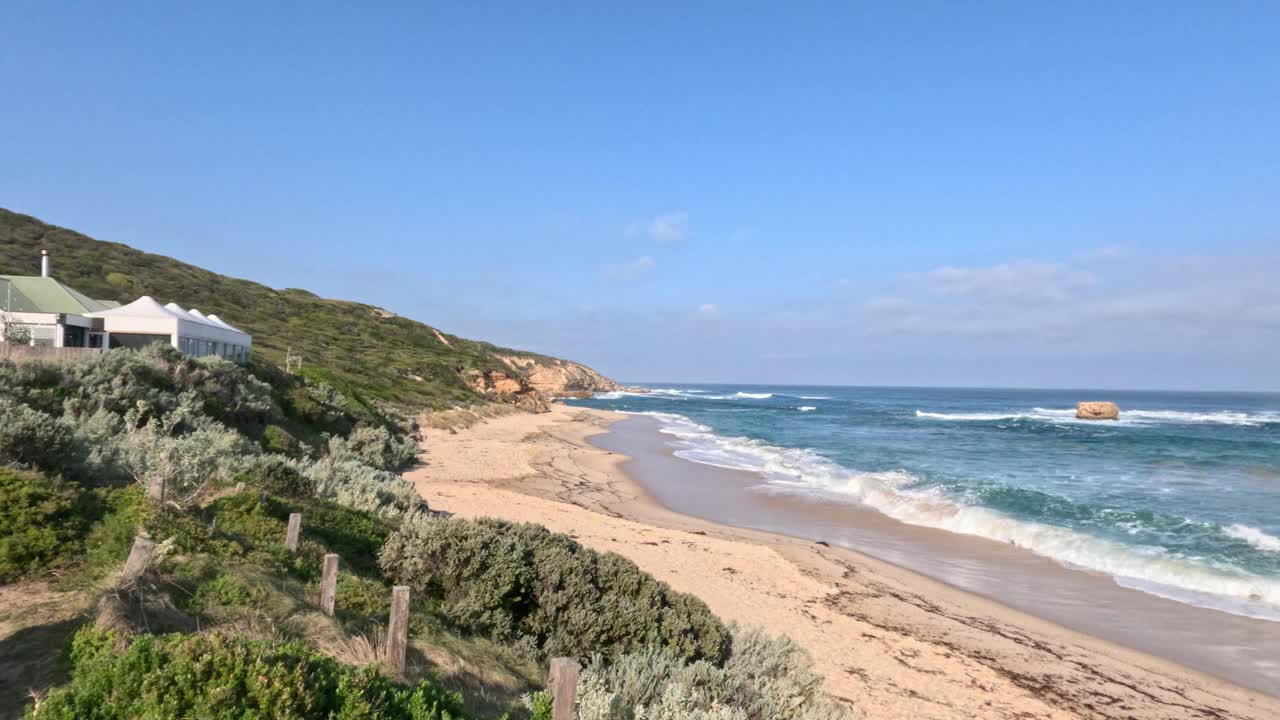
x,y
44,263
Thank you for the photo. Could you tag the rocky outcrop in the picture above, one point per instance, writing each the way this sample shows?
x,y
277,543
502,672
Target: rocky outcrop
x,y
506,387
559,378
531,382
1097,410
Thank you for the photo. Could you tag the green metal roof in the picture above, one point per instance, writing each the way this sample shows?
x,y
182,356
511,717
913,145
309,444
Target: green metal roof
x,y
20,293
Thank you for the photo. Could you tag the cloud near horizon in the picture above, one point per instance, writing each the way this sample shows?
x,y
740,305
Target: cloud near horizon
x,y
1154,298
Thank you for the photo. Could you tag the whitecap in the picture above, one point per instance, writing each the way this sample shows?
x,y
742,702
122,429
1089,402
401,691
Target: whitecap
x,y
806,408
1255,537
1128,418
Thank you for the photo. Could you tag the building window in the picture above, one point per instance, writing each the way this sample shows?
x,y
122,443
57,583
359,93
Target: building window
x,y
73,336
44,334
137,340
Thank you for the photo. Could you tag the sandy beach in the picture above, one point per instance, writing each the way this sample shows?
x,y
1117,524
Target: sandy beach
x,y
890,642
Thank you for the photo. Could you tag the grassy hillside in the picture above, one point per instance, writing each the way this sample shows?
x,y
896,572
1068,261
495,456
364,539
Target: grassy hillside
x,y
353,346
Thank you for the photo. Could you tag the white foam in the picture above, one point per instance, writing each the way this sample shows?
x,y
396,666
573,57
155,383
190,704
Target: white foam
x,y
753,396
815,397
806,408
1127,417
1255,537
804,472
967,416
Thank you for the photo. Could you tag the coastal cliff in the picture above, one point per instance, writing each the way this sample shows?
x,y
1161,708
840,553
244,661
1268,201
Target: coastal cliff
x,y
559,378
531,382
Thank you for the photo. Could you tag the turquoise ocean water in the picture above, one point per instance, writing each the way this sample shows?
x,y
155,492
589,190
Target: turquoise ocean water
x,y
1179,498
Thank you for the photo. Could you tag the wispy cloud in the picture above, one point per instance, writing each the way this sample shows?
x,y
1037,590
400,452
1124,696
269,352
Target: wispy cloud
x,y
708,310
1024,280
667,227
1170,299
630,268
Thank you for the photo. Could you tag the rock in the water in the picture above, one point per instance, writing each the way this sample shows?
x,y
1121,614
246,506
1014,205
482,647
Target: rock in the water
x,y
1097,411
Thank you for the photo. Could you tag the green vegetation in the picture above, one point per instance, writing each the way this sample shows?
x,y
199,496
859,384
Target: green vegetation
x,y
39,524
369,356
492,600
524,583
215,677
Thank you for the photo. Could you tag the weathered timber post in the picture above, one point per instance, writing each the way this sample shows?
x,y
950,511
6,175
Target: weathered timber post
x,y
139,556
329,584
155,489
398,629
562,681
291,535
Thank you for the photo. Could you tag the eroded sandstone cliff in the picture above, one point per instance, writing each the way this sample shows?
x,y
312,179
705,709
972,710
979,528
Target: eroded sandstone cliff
x,y
532,382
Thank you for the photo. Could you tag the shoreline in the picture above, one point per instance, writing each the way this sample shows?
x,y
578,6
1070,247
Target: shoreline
x,y
889,641
1224,645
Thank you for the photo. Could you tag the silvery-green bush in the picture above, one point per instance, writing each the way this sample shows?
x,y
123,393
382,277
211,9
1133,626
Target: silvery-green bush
x,y
33,439
187,463
375,446
764,678
358,486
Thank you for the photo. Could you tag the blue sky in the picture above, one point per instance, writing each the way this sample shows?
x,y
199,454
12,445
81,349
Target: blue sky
x,y
1008,194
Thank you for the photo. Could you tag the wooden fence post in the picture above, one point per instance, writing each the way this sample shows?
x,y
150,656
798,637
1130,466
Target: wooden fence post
x,y
139,556
329,584
155,489
291,535
398,629
562,681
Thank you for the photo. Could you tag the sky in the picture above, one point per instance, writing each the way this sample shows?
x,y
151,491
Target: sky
x,y
1008,194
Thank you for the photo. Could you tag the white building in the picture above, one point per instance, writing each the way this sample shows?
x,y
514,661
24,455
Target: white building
x,y
50,313
145,321
55,315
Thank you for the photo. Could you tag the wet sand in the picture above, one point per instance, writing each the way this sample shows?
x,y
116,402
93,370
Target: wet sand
x,y
1241,649
889,641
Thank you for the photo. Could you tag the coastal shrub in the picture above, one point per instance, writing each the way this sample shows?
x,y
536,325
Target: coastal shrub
x,y
361,487
41,523
764,678
276,439
376,447
119,382
185,463
276,475
522,582
212,676
34,439
229,393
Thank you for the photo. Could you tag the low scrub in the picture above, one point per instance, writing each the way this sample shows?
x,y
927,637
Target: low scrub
x,y
211,676
358,486
376,447
764,678
522,582
41,523
46,524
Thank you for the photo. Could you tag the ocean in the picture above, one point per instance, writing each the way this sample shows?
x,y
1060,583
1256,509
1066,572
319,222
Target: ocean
x,y
1179,498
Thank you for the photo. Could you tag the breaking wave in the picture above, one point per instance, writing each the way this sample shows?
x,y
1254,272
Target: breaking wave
x,y
907,498
1127,417
1255,537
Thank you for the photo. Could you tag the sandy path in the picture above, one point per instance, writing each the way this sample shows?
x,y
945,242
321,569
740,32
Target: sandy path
x,y
892,643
